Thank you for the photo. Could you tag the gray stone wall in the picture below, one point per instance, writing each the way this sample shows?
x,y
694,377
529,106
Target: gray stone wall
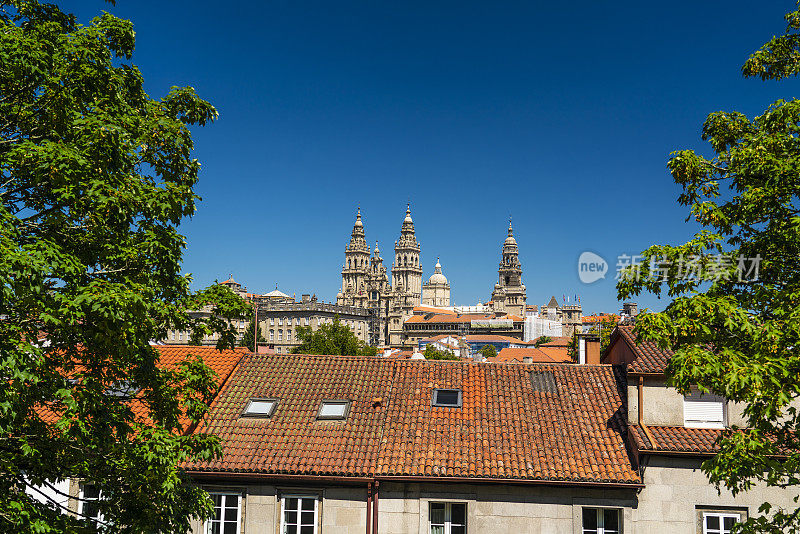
x,y
342,509
404,508
676,491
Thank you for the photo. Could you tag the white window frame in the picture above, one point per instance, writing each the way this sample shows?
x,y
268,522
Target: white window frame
x,y
448,516
272,321
307,321
272,335
99,519
299,512
224,495
721,516
600,510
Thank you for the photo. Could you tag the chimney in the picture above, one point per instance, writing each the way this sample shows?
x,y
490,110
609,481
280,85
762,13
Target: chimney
x,y
592,349
527,359
306,297
631,309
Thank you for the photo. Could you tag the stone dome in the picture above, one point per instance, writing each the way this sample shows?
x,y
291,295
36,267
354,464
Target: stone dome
x,y
437,277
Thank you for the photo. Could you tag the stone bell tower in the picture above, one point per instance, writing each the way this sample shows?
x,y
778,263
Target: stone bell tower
x,y
355,272
509,293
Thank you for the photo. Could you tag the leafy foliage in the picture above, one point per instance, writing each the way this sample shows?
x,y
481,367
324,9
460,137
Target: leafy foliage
x,y
541,340
432,353
738,336
488,351
95,177
333,338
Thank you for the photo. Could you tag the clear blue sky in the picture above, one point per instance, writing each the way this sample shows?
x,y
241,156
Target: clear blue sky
x,y
561,114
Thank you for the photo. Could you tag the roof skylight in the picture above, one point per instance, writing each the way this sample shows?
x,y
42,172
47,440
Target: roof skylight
x,y
333,409
260,408
447,398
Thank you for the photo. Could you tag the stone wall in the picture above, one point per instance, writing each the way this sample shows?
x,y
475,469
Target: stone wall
x,y
676,491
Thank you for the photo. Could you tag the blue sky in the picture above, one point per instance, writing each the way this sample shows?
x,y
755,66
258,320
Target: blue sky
x,y
560,114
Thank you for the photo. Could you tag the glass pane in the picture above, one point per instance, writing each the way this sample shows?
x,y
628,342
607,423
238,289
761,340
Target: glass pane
x,y
728,522
260,407
230,514
458,529
230,528
307,530
290,529
214,528
437,529
307,518
590,520
330,409
291,503
291,517
447,397
611,520
712,522
308,504
90,491
437,513
458,514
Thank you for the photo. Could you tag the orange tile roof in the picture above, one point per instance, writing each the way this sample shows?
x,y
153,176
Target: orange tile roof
x,y
676,439
649,357
599,318
433,310
222,363
531,422
539,356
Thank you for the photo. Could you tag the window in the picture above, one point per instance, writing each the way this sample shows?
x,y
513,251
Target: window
x,y
307,321
721,522
227,511
600,521
299,514
448,518
88,507
172,335
280,335
703,410
272,321
260,408
333,409
448,398
272,335
288,335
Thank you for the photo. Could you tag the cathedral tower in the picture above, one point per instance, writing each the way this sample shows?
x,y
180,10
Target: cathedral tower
x,y
355,271
509,293
406,270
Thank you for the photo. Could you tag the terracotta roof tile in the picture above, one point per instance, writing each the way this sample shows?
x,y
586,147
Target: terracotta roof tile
x,y
510,355
532,422
649,357
676,439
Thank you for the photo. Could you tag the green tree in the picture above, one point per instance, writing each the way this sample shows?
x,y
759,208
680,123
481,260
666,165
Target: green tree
x,y
432,353
541,340
488,351
332,338
734,331
605,328
95,177
249,336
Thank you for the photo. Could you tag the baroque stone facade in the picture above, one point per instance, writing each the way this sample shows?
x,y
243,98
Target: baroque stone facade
x,y
366,284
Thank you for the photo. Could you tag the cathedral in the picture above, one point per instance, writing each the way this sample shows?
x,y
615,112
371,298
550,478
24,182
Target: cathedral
x,y
365,282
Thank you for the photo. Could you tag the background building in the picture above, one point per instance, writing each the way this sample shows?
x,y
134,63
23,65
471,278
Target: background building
x,y
437,291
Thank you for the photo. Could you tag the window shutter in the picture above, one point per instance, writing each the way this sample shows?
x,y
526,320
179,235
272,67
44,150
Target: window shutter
x,y
706,410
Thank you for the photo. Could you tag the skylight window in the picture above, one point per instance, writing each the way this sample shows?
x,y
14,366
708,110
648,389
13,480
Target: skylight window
x,y
260,408
447,398
333,409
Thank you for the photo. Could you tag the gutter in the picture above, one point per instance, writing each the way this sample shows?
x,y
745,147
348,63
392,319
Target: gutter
x,y
369,481
640,410
515,481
